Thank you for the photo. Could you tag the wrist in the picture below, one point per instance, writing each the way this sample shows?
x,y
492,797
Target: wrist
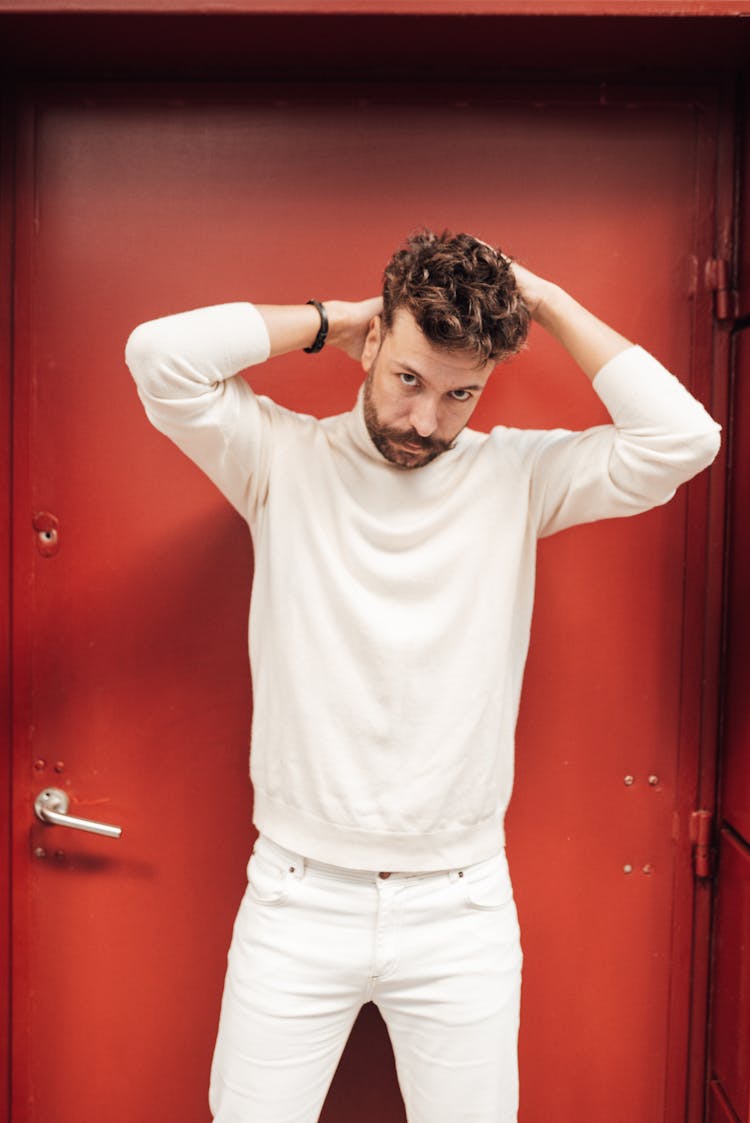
x,y
338,321
551,304
322,334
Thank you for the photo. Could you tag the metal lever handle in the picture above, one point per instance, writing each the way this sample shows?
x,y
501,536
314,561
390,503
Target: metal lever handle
x,y
51,806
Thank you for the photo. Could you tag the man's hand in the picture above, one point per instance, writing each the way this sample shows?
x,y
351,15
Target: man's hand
x,y
531,287
349,323
590,341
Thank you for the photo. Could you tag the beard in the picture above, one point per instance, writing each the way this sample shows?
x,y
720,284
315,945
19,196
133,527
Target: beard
x,y
391,442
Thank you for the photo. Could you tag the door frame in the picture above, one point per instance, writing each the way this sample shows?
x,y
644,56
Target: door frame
x,y
706,710
7,134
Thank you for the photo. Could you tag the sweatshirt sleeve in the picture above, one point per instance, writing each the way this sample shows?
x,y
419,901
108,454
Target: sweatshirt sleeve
x,y
659,438
184,368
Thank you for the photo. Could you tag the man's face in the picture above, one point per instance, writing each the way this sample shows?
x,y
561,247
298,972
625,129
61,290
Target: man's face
x,y
418,397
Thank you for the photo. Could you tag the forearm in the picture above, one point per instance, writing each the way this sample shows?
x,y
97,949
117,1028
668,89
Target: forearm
x,y
292,327
586,338
662,431
660,437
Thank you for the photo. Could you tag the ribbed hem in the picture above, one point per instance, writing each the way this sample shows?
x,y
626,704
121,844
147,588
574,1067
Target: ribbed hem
x,y
368,850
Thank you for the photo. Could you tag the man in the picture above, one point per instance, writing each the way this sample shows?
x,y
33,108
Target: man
x,y
393,589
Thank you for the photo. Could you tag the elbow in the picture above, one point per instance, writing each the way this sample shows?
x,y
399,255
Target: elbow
x,y
149,362
653,478
139,350
698,451
704,447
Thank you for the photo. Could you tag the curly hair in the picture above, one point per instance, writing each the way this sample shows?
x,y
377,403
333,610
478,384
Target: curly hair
x,y
461,292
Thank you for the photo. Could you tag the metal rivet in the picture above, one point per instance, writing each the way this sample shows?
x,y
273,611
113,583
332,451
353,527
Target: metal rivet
x,y
648,868
629,780
460,873
59,766
40,852
40,765
60,855
46,526
291,869
627,869
653,781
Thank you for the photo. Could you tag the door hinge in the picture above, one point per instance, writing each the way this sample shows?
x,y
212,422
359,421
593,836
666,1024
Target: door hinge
x,y
701,834
718,281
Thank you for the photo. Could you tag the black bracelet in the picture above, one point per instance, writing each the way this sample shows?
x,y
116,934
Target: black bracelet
x,y
322,335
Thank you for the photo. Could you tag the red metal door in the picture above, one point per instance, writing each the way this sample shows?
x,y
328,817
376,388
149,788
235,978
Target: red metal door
x,y
132,678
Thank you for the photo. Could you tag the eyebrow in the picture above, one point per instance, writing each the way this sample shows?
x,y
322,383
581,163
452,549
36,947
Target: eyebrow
x,y
410,370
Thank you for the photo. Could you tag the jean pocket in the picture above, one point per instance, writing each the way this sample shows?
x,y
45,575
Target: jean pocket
x,y
487,885
268,880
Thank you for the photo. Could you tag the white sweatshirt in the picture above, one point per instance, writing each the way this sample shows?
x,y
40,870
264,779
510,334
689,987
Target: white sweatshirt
x,y
391,609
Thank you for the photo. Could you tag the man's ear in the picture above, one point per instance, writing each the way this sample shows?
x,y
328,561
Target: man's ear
x,y
373,340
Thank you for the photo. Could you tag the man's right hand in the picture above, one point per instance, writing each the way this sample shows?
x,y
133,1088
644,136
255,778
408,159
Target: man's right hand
x,y
349,323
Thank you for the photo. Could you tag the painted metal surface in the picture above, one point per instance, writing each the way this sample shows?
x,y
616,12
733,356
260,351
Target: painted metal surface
x,y
736,750
728,1066
156,42
130,642
6,445
719,1110
673,8
730,1054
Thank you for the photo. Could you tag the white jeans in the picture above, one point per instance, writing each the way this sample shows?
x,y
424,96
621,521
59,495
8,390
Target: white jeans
x,y
438,953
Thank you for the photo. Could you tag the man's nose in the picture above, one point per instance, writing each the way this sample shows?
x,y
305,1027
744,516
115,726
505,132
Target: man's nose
x,y
423,416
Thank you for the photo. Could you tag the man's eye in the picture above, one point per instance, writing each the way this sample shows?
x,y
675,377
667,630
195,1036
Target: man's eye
x,y
408,379
460,395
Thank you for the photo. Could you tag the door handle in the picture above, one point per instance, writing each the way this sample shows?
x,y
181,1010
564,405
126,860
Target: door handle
x,y
51,806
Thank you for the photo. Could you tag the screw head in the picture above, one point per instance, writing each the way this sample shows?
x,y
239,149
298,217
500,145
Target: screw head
x,y
653,781
648,868
627,868
40,852
629,780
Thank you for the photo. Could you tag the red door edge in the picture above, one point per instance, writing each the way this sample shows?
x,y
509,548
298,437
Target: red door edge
x,y
738,256
718,361
6,320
